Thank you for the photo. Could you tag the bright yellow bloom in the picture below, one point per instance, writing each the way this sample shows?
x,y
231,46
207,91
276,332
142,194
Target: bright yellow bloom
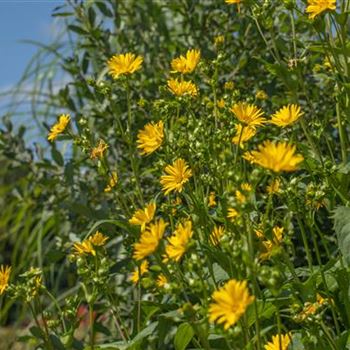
x,y
232,214
138,272
211,199
177,243
243,135
186,64
230,303
286,115
248,114
275,343
274,186
311,308
221,103
85,247
246,187
98,239
149,240
316,7
261,95
112,182
240,197
275,156
124,64
216,234
150,137
182,88
161,281
5,272
99,150
178,174
232,1
144,216
59,127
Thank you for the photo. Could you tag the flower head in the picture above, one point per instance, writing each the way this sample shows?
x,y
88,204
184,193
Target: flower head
x,y
161,281
85,247
286,115
5,272
274,186
99,150
243,134
177,175
149,240
186,64
177,243
278,340
230,303
98,239
139,271
316,7
275,156
144,216
59,127
248,114
211,199
261,95
221,103
271,245
232,214
112,182
232,1
216,234
182,88
124,64
150,137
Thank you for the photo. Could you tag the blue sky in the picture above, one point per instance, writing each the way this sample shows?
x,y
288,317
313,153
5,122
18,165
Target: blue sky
x,y
20,20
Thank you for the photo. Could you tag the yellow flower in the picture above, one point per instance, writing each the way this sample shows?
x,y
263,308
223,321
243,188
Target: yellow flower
x,y
59,127
124,64
275,156
182,88
84,247
277,340
274,186
211,200
186,64
178,174
248,114
259,233
243,135
240,197
246,187
219,40
261,95
229,85
232,214
216,234
98,239
149,240
286,115
144,216
150,137
177,243
271,245
5,272
112,182
99,150
135,276
230,303
232,1
161,281
315,7
221,103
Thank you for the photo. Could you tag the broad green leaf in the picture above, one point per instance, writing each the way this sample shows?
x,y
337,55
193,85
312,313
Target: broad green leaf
x,y
342,229
183,336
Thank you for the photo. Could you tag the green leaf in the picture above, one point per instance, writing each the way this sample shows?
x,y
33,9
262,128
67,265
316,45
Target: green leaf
x,y
37,332
342,229
77,29
183,336
57,156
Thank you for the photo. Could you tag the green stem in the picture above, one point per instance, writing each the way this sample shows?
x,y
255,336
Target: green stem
x,y
91,324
